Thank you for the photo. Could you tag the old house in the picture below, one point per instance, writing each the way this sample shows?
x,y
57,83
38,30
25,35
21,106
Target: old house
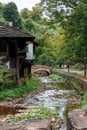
x,y
19,49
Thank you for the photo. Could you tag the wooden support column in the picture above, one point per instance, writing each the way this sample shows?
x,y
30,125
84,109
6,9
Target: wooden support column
x,y
17,67
29,70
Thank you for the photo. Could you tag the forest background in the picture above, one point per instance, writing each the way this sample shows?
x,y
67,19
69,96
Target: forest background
x,y
60,28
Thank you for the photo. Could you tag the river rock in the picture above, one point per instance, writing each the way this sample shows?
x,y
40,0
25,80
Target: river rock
x,y
77,119
32,124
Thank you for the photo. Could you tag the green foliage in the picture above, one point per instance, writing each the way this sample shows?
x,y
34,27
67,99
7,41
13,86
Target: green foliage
x,y
73,22
72,95
11,14
1,9
40,113
45,59
37,113
36,13
29,25
77,87
57,77
25,13
78,66
16,92
32,82
62,36
1,13
1,123
84,100
4,79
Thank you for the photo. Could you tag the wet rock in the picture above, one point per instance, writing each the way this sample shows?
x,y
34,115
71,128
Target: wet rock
x,y
74,101
77,119
36,99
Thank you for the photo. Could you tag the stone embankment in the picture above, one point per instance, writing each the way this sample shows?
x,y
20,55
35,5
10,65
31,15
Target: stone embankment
x,y
77,119
81,81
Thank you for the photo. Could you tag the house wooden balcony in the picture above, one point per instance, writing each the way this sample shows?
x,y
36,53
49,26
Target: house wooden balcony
x,y
3,53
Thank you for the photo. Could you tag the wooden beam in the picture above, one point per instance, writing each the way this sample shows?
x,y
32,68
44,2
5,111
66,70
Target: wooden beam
x,y
17,67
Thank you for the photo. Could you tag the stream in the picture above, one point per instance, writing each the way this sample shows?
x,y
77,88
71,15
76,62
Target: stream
x,y
53,97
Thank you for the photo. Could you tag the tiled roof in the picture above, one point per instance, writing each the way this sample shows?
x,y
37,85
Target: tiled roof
x,y
7,31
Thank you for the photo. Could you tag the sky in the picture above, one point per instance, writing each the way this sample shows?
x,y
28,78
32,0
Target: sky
x,y
22,3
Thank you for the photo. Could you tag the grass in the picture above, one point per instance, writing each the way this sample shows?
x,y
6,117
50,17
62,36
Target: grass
x,y
2,123
78,66
77,86
57,77
6,79
81,93
30,85
80,105
36,113
84,100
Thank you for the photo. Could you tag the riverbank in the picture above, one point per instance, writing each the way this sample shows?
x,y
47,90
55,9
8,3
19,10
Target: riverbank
x,y
77,111
8,94
47,95
48,116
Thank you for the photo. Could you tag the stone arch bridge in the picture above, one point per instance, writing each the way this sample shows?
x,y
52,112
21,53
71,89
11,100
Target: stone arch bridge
x,y
36,68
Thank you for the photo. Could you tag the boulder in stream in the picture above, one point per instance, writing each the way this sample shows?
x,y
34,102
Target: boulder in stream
x,y
32,124
77,119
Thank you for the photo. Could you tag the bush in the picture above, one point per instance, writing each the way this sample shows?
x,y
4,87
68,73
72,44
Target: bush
x,y
57,77
84,101
6,79
36,113
77,86
78,66
30,85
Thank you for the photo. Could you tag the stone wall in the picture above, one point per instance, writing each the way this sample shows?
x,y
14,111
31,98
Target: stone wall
x,y
77,119
82,82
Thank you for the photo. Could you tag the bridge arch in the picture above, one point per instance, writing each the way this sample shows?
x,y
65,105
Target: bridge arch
x,y
37,68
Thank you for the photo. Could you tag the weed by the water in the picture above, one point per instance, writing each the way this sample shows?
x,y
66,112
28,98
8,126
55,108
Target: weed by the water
x,y
57,77
1,122
30,85
84,100
36,113
77,86
72,95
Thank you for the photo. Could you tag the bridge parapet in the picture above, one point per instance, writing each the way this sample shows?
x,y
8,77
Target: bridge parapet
x,y
41,68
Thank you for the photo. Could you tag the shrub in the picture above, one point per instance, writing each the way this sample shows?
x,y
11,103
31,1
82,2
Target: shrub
x,y
37,113
30,85
57,77
78,66
84,100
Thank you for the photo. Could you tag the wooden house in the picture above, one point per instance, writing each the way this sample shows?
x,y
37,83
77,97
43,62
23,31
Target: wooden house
x,y
19,48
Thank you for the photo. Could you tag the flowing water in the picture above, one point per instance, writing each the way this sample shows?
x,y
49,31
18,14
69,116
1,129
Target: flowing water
x,y
53,97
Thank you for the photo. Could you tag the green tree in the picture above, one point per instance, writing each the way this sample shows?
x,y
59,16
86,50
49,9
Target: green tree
x,y
10,13
25,13
36,13
1,13
72,15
